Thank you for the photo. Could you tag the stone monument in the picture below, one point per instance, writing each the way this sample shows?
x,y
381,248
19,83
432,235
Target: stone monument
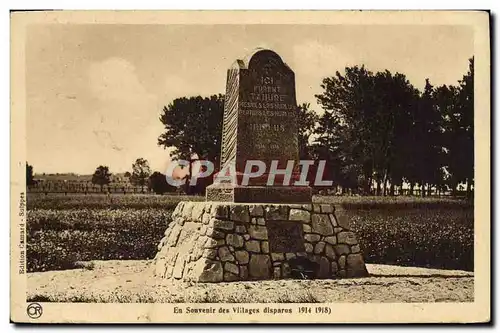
x,y
256,231
260,123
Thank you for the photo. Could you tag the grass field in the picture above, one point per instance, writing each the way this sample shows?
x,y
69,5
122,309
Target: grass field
x,y
64,230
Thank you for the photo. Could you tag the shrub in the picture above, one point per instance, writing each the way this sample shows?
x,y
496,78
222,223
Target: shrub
x,y
57,239
437,238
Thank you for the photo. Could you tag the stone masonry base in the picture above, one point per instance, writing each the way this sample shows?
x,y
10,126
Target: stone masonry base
x,y
219,241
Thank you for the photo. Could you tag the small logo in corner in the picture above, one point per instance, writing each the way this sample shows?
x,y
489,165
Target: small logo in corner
x,y
34,310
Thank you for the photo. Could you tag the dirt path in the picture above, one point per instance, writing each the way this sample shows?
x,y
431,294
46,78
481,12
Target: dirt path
x,y
133,281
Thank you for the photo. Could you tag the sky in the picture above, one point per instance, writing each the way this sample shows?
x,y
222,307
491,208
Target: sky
x,y
95,92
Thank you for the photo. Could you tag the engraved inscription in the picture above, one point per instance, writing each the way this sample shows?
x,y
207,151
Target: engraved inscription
x,y
285,236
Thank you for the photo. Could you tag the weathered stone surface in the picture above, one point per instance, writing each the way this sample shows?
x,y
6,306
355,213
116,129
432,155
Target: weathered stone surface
x,y
333,220
240,229
163,241
252,246
256,210
210,253
217,234
289,256
203,230
306,227
179,267
246,237
356,265
316,208
174,235
285,236
329,252
341,249
331,240
334,268
201,241
232,268
258,194
225,254
276,212
294,206
224,225
307,207
299,215
178,209
277,272
337,229
308,247
355,249
259,266
325,208
187,211
242,257
285,270
254,220
313,238
264,246
342,262
197,254
277,256
244,272
169,272
324,268
240,213
321,224
206,218
197,211
261,221
319,247
229,277
258,232
346,237
234,240
213,243
220,211
342,218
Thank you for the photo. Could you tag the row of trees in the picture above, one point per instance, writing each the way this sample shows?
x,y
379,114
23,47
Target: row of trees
x,y
140,176
376,129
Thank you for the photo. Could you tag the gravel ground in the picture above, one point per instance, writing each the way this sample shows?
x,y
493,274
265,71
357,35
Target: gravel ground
x,y
132,281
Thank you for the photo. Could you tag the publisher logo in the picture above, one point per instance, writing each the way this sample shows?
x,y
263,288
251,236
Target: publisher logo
x,y
34,310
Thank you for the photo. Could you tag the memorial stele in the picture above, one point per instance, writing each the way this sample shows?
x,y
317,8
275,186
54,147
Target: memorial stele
x,y
258,231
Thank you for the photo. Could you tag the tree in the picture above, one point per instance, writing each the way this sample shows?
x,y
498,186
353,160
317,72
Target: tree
x,y
459,133
101,176
158,183
364,130
127,174
193,127
140,173
30,181
307,120
425,142
344,127
446,100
